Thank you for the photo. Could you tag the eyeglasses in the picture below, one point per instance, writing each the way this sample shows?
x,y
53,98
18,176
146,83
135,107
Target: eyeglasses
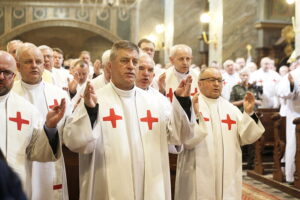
x,y
212,80
7,74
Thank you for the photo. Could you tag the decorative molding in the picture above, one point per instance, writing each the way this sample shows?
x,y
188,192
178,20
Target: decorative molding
x,y
271,24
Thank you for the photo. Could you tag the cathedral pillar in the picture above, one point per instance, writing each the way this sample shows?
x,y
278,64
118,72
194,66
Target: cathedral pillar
x,y
216,30
297,24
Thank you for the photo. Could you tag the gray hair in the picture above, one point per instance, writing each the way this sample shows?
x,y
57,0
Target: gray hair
x,y
13,42
45,47
24,47
228,62
122,44
146,56
175,48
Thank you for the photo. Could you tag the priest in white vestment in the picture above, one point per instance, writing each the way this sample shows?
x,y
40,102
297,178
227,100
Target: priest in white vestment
x,y
268,79
125,131
231,78
181,60
289,90
44,97
212,168
22,136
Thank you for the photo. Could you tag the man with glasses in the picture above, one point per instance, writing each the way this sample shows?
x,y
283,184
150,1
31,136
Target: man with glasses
x,y
212,168
23,136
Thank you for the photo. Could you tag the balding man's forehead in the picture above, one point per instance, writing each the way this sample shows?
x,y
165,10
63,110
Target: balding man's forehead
x,y
7,61
210,72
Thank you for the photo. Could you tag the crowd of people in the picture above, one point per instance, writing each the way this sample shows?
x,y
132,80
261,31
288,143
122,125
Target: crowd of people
x,y
123,114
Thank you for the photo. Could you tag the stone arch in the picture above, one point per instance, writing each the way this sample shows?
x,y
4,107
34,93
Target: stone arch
x,y
58,23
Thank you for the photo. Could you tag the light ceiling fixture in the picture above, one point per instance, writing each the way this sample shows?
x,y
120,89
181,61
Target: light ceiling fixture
x,y
102,7
205,17
160,28
290,1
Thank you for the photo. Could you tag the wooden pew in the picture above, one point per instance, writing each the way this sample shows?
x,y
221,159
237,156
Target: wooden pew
x,y
297,157
173,164
279,146
72,171
267,139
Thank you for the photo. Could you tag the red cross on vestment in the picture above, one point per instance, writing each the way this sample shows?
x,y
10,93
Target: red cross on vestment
x,y
112,117
195,92
228,121
205,118
149,119
57,187
274,80
260,81
170,94
225,83
54,105
19,121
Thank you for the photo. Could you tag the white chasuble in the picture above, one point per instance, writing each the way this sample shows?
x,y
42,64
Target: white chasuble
x,y
217,163
25,139
111,169
173,79
45,96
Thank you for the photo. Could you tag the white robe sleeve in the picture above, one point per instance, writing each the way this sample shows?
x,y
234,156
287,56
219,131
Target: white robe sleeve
x,y
78,134
180,128
248,130
283,89
39,148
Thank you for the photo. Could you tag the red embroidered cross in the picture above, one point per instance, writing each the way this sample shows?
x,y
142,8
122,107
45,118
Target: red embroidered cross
x,y
225,82
54,105
228,121
19,121
260,81
205,119
170,94
274,80
149,119
112,117
57,187
195,92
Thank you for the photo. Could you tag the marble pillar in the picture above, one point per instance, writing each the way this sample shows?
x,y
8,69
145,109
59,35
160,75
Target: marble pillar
x,y
297,24
216,30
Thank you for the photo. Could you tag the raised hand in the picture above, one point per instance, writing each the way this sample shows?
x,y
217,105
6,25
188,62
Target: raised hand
x,y
195,103
184,88
90,98
249,102
73,83
97,67
162,83
56,114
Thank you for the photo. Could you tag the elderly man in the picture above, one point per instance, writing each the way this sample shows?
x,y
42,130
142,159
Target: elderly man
x,y
212,167
22,139
44,96
86,57
181,59
125,134
231,78
268,79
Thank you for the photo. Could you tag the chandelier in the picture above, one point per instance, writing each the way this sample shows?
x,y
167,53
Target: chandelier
x,y
102,7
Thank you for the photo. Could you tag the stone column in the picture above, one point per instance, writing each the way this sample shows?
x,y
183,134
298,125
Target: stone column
x,y
297,24
216,30
169,28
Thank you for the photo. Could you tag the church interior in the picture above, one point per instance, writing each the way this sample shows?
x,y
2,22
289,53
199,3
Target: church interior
x,y
216,31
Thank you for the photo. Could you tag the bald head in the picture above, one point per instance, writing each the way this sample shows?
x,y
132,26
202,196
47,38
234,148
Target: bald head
x,y
8,70
7,61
